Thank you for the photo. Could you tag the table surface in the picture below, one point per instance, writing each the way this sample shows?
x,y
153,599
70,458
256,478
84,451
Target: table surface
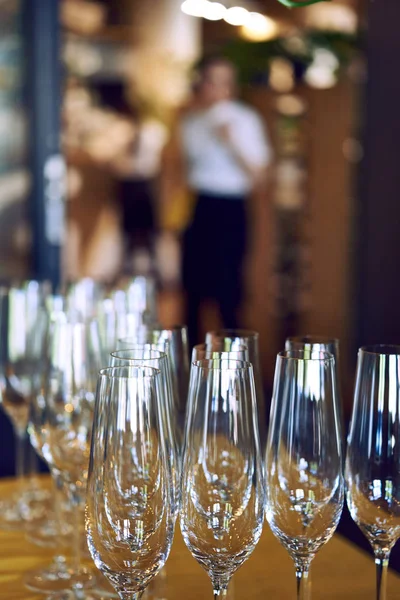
x,y
340,570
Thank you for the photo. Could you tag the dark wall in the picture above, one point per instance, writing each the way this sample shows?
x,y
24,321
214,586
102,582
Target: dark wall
x,y
378,226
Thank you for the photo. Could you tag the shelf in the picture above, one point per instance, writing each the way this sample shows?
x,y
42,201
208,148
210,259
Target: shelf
x,y
116,34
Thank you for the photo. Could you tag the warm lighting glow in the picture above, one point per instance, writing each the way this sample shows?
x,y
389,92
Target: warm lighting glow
x,y
236,15
321,74
331,17
281,75
194,8
213,11
259,28
291,105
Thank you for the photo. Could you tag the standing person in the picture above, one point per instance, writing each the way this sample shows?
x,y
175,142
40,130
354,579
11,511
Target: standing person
x,y
137,167
226,153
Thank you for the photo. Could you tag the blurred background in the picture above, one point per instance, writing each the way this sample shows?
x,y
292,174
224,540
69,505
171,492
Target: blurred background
x,y
79,79
84,83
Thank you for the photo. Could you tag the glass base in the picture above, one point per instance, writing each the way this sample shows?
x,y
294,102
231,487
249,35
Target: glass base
x,y
33,504
83,595
58,577
48,533
10,515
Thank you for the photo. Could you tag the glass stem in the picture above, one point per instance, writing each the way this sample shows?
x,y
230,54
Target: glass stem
x,y
220,587
303,580
20,455
33,461
382,563
76,534
58,487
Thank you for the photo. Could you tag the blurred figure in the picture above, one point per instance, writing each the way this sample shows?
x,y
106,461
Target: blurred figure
x,y
225,155
136,166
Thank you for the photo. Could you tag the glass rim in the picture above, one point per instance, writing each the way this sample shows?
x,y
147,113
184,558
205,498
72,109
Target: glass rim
x,y
208,364
160,329
306,357
234,333
380,349
139,345
218,355
108,372
312,339
204,347
116,354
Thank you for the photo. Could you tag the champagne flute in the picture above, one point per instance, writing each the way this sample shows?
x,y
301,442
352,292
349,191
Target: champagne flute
x,y
83,296
150,340
202,352
223,493
373,454
130,501
305,488
115,321
143,356
173,341
74,360
141,297
232,339
23,332
320,343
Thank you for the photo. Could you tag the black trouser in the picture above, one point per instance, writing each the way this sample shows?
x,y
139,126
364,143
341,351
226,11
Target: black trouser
x,y
138,221
214,247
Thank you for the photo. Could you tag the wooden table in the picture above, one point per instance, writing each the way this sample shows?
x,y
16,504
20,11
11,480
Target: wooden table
x,y
340,570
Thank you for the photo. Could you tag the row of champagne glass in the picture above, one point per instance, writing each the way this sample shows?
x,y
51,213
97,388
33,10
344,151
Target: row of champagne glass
x,y
223,490
24,322
36,332
61,416
300,501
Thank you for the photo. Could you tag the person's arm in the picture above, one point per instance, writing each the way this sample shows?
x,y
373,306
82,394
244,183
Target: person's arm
x,y
248,143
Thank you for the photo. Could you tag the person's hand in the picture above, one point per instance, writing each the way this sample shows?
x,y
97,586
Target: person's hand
x,y
223,133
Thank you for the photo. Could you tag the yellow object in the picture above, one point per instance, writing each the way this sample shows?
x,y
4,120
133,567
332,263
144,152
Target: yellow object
x,y
177,212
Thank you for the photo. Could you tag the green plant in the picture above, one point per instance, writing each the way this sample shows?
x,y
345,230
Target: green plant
x,y
294,4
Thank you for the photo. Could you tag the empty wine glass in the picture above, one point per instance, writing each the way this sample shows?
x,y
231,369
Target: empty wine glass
x,y
83,296
129,512
202,351
151,339
173,341
231,339
143,356
141,297
58,574
223,493
373,453
23,332
74,360
115,322
304,478
319,343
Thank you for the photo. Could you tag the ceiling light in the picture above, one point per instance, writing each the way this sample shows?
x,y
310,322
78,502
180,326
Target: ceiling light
x,y
236,15
259,28
214,11
194,8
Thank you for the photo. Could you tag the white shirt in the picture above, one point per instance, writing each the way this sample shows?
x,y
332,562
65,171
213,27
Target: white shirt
x,y
152,137
212,165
